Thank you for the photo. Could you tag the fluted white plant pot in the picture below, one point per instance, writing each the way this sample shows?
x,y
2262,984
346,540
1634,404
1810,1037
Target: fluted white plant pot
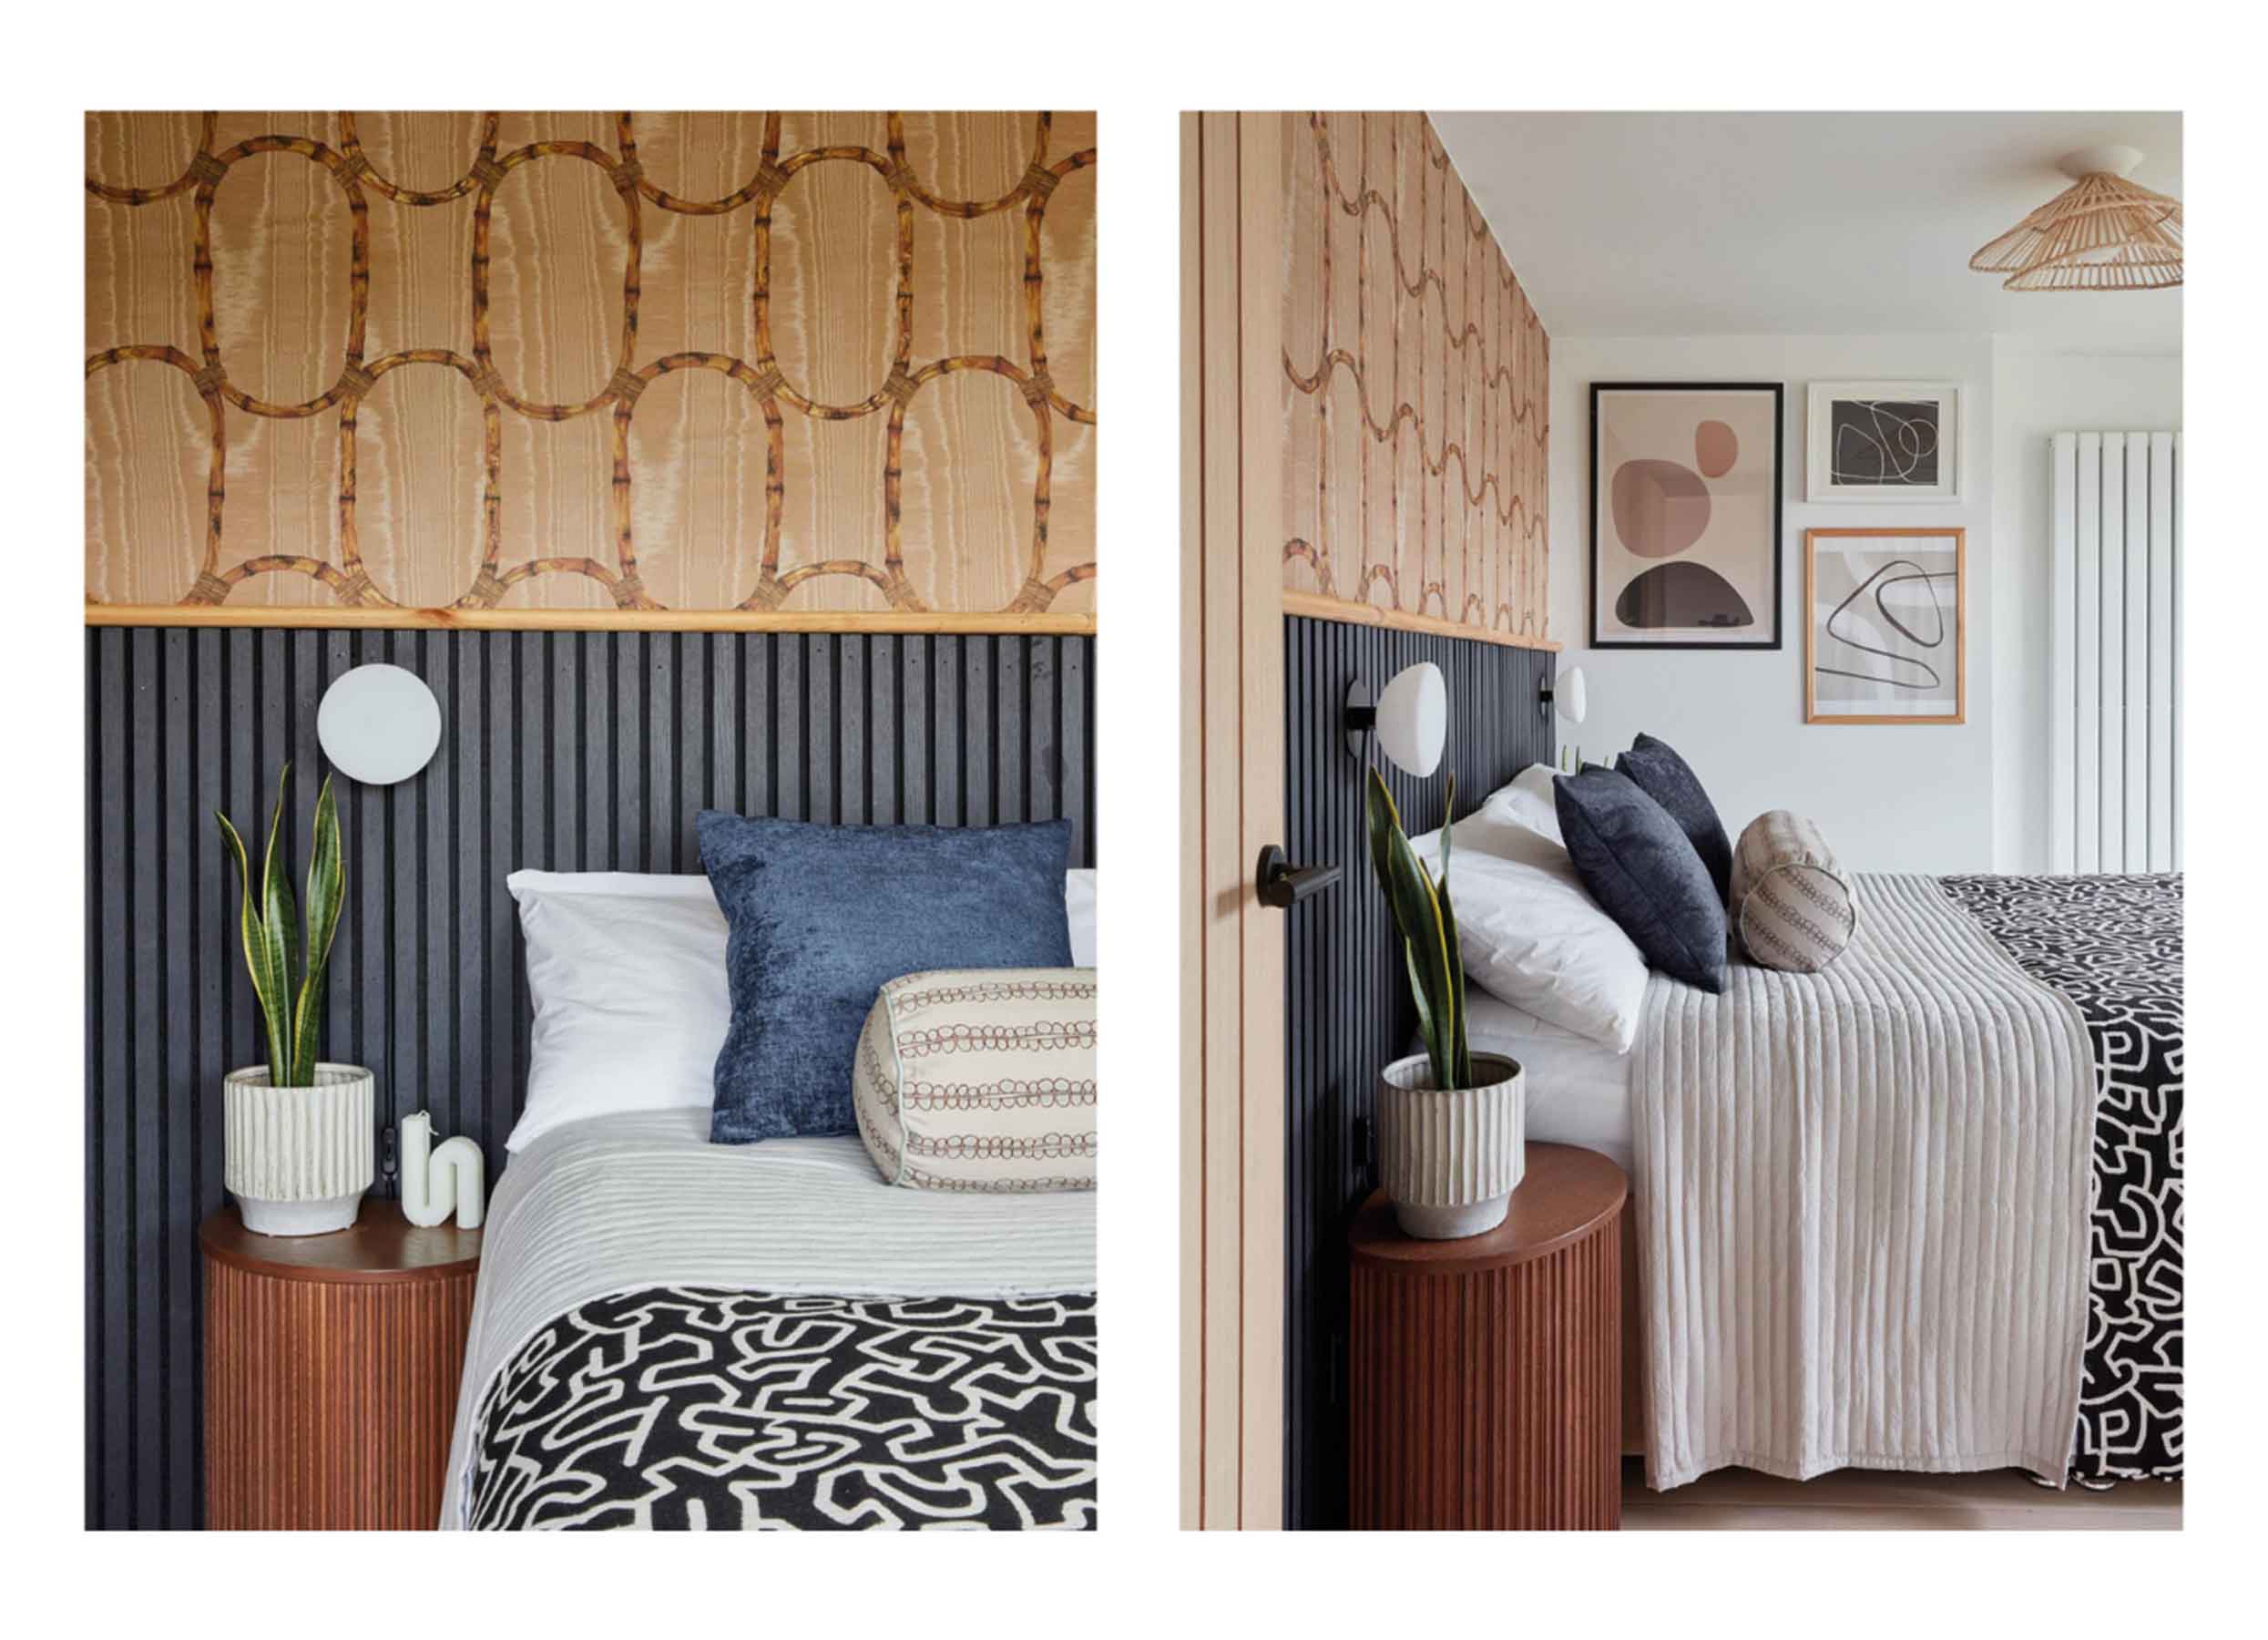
x,y
1449,1160
298,1160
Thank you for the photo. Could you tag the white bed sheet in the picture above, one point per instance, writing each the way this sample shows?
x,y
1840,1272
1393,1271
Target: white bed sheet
x,y
1579,1090
643,1199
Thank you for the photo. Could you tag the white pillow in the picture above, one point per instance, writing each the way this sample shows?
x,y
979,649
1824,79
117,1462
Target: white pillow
x,y
1530,800
627,974
1531,933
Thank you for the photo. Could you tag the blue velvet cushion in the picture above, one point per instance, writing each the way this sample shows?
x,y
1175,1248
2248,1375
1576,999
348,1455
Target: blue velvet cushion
x,y
1642,869
818,917
1658,771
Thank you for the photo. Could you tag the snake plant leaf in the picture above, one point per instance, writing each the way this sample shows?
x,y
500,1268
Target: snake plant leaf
x,y
282,917
1385,820
1417,908
1460,1052
326,893
270,979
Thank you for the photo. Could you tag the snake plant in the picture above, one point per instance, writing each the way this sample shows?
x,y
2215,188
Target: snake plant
x,y
1429,948
271,925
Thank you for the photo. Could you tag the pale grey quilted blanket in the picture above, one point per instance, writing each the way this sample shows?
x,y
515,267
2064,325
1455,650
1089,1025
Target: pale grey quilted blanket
x,y
1862,1207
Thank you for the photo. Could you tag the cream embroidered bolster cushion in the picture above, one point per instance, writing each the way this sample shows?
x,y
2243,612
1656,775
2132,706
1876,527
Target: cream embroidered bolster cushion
x,y
981,1080
1792,904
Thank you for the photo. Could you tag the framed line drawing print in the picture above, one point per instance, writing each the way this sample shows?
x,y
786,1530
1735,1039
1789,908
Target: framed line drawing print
x,y
1883,441
1886,625
1685,515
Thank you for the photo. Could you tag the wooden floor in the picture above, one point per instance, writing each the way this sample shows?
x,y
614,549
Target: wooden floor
x,y
1872,1500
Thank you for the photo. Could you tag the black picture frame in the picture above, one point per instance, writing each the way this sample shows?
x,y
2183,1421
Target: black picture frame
x,y
1779,501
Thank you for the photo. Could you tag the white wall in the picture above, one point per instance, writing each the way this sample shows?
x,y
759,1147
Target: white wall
x,y
2034,395
1889,797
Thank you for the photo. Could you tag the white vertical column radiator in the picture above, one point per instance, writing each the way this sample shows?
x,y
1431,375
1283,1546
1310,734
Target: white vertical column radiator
x,y
2114,786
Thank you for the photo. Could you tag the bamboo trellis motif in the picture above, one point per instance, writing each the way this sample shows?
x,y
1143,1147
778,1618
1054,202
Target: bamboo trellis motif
x,y
1035,576
1432,333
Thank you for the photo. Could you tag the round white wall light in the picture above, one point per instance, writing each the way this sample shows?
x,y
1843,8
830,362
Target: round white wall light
x,y
1414,719
378,725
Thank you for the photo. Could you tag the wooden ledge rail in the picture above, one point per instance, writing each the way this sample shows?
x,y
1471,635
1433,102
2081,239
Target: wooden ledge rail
x,y
942,622
1317,608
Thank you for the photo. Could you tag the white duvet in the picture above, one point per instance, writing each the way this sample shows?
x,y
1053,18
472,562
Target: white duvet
x,y
618,1202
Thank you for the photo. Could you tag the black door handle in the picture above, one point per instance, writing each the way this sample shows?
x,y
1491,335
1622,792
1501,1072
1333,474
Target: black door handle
x,y
1282,886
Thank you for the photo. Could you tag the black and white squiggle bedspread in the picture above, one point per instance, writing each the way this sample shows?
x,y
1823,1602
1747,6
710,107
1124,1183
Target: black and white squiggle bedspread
x,y
674,1334
2113,946
688,1407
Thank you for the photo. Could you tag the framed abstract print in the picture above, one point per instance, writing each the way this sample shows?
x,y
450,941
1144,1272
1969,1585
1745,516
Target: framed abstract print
x,y
1885,619
1685,515
1883,441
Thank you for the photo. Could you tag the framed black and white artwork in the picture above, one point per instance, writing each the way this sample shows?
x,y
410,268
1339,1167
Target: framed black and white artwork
x,y
1885,623
1883,441
1685,515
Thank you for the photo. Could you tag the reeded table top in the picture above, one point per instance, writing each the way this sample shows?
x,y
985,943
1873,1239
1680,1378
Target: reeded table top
x,y
380,1246
1565,1194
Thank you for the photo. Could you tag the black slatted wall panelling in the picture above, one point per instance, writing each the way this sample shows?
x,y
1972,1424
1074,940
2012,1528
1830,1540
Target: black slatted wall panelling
x,y
570,751
1347,1007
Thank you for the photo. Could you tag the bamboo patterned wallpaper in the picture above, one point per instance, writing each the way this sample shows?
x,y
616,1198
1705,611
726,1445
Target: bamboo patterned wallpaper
x,y
1418,387
615,362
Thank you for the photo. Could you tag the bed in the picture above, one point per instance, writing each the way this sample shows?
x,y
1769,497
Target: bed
x,y
2083,974
672,1333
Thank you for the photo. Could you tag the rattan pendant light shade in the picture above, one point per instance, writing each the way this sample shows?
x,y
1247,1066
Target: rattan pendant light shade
x,y
2103,233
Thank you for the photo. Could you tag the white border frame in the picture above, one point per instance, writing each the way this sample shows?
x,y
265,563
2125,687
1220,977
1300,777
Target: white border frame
x,y
1952,465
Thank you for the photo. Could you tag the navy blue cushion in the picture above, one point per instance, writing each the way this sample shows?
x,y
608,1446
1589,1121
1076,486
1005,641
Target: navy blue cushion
x,y
1641,868
820,916
1658,771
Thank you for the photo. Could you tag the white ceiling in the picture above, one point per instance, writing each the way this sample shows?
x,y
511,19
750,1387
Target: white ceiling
x,y
1796,224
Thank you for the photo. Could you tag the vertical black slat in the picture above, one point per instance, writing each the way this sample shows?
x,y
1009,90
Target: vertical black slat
x,y
886,797
178,1016
501,814
915,740
791,787
630,750
1043,760
112,1200
145,842
695,702
210,950
478,891
1012,688
661,752
366,1036
854,805
403,1088
334,655
980,732
423,869
727,730
947,801
532,735
822,741
759,739
560,849
595,752
1071,730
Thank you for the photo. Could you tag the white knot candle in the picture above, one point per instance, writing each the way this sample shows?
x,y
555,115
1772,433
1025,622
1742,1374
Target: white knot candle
x,y
439,1180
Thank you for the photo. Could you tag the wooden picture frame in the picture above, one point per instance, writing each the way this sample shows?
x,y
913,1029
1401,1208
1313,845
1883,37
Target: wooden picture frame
x,y
1702,468
1906,662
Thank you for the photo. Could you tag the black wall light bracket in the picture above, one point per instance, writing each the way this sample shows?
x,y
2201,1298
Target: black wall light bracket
x,y
1284,885
1361,717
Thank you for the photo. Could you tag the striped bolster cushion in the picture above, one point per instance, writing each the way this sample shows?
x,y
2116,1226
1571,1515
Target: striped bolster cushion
x,y
980,1079
1792,904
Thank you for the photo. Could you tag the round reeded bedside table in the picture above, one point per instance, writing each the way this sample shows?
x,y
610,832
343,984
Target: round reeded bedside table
x,y
1487,1372
331,1370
